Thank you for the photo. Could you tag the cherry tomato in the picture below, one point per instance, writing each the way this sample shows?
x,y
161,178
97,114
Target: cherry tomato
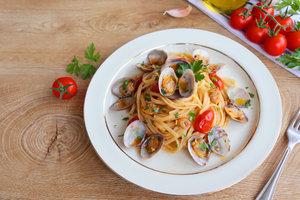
x,y
260,14
155,87
132,120
284,22
203,122
138,82
293,40
239,21
216,80
64,88
275,45
256,34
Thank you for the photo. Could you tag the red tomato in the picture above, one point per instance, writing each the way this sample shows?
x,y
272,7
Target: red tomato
x,y
216,80
284,22
275,45
239,21
138,82
204,121
293,40
256,34
132,120
64,88
155,87
260,14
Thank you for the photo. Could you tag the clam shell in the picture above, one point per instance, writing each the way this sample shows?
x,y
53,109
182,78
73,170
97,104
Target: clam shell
x,y
134,134
186,83
122,104
157,57
196,158
218,141
238,96
172,62
200,54
115,89
236,113
144,152
172,84
146,68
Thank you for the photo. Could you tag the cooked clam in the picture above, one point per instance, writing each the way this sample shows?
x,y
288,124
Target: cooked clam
x,y
146,67
236,113
122,104
151,145
157,57
238,96
186,83
215,95
135,134
218,141
167,82
173,64
123,87
199,149
200,54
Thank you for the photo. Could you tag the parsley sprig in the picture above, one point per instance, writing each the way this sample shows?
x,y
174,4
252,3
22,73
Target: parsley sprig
x,y
87,68
195,67
292,60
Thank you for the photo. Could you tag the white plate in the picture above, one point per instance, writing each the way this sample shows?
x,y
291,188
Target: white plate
x,y
177,173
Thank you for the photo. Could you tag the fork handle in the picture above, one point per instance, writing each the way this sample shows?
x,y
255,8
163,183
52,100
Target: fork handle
x,y
268,191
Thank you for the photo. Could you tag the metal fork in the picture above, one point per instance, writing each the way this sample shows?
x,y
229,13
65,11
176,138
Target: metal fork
x,y
293,134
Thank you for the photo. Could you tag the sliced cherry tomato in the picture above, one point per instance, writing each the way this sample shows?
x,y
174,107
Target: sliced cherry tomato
x,y
155,87
203,122
64,88
284,22
293,40
133,119
138,82
238,20
216,80
275,45
256,34
260,14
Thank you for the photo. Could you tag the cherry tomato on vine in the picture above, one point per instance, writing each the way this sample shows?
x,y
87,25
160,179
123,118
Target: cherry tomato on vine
x,y
258,14
132,120
284,22
155,87
256,34
293,40
275,45
216,80
240,18
64,88
203,122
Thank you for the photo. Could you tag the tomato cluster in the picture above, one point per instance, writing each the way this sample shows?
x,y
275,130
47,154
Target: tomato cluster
x,y
260,28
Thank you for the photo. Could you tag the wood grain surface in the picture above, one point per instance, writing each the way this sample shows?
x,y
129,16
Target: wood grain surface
x,y
45,152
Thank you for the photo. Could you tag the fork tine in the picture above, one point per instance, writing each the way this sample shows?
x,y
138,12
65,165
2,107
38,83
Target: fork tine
x,y
295,119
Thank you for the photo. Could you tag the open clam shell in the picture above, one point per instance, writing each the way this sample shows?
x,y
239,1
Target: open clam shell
x,y
135,134
157,57
218,141
238,96
200,54
167,82
122,104
123,87
151,145
236,113
199,149
186,83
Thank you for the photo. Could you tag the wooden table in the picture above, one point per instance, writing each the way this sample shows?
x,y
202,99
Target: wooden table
x,y
45,152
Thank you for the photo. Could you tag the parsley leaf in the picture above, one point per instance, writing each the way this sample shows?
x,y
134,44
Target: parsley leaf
x,y
213,143
192,115
125,118
145,122
86,69
203,146
251,95
164,92
211,133
176,115
196,66
147,108
121,135
292,60
181,68
248,103
199,77
154,110
183,135
147,97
